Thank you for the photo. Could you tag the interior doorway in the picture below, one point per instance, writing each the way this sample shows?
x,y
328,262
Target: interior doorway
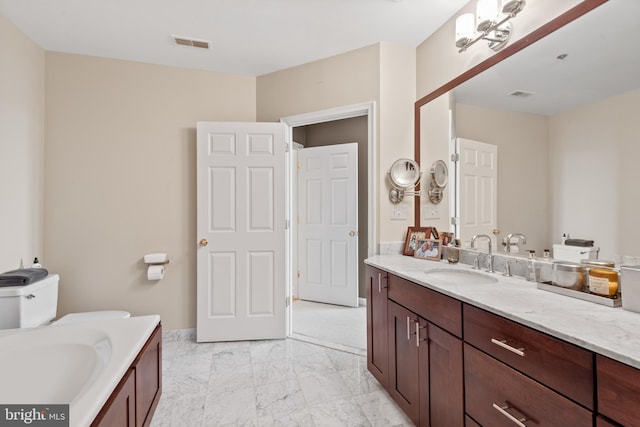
x,y
330,127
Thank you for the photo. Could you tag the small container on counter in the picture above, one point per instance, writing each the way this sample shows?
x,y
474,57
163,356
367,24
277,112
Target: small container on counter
x,y
630,281
568,275
602,279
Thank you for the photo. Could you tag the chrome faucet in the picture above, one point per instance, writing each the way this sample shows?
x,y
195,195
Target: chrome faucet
x,y
490,256
522,237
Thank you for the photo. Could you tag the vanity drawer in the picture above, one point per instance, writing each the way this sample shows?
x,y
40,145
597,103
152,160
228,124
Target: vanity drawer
x,y
433,306
494,391
618,391
557,364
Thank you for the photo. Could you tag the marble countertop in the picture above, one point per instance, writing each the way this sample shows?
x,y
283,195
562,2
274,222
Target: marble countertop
x,y
613,332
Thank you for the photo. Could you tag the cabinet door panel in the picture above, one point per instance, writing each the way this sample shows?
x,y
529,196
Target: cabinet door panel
x,y
377,339
557,364
618,391
441,378
439,309
493,390
403,360
120,409
603,422
149,378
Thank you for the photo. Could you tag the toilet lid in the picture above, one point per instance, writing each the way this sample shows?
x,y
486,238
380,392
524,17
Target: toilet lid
x,y
92,315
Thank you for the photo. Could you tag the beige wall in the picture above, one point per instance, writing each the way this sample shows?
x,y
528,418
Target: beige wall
x,y
21,147
384,73
120,179
397,89
595,174
523,168
346,79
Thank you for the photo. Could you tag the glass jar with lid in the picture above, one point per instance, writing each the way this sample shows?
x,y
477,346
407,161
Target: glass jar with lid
x,y
602,278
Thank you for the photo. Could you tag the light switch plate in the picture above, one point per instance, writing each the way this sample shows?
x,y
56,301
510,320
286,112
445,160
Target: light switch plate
x,y
399,212
431,212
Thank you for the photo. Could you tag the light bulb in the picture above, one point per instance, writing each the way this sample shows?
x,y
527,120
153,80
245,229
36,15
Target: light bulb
x,y
464,29
487,12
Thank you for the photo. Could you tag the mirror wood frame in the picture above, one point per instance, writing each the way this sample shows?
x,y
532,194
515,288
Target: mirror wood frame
x,y
546,29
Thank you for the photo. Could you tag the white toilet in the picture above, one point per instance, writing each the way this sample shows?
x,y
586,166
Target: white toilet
x,y
36,305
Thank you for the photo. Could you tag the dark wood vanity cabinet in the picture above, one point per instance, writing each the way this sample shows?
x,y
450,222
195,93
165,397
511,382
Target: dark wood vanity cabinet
x,y
377,342
425,361
561,366
452,364
497,395
618,392
136,397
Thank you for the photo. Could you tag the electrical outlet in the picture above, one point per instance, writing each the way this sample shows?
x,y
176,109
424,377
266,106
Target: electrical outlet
x,y
431,212
398,212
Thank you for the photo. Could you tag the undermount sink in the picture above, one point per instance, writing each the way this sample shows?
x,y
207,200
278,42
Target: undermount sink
x,y
456,275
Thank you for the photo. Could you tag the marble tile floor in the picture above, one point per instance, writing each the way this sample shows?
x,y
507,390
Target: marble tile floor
x,y
268,383
330,324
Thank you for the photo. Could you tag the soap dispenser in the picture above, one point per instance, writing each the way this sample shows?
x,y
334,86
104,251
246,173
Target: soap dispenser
x,y
533,268
36,263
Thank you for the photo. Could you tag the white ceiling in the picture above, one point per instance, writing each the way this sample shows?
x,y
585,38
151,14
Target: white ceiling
x,y
251,37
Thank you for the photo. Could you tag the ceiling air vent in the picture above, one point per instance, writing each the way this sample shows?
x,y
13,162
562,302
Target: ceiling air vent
x,y
186,41
521,94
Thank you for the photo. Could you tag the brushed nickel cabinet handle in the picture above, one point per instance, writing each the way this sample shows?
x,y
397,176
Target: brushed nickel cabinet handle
x,y
418,327
408,328
503,344
380,282
520,422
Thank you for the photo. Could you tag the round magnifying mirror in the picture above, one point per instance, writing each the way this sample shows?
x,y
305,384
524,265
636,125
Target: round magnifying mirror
x,y
440,173
404,173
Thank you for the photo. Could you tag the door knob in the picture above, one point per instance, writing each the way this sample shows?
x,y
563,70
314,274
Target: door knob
x,y
352,233
203,242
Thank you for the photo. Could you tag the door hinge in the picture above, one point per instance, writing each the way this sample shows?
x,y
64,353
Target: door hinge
x,y
286,224
298,274
298,165
454,220
287,301
286,148
455,157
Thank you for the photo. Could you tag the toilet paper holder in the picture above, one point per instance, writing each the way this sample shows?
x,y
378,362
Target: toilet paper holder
x,y
156,263
156,259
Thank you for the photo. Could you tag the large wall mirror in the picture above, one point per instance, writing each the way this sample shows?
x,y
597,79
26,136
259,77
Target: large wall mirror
x,y
564,114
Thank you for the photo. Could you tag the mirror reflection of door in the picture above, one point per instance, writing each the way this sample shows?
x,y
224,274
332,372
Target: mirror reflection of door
x,y
477,188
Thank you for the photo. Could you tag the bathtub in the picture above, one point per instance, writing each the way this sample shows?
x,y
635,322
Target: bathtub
x,y
79,363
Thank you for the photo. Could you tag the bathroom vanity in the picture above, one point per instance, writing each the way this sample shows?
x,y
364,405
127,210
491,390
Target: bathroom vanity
x,y
461,347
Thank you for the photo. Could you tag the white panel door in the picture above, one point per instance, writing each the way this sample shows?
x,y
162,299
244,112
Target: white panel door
x,y
328,224
241,231
477,182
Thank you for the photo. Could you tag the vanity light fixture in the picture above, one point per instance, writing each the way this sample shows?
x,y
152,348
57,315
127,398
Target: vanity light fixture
x,y
491,27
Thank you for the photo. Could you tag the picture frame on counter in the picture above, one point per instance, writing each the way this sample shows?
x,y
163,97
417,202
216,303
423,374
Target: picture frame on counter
x,y
428,249
415,234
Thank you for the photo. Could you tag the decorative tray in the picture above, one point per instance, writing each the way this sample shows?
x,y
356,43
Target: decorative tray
x,y
609,302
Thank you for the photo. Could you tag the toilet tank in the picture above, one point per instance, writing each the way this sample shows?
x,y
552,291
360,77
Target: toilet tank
x,y
31,305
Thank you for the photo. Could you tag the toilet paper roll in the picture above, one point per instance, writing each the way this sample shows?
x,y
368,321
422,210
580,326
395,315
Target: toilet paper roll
x,y
155,272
